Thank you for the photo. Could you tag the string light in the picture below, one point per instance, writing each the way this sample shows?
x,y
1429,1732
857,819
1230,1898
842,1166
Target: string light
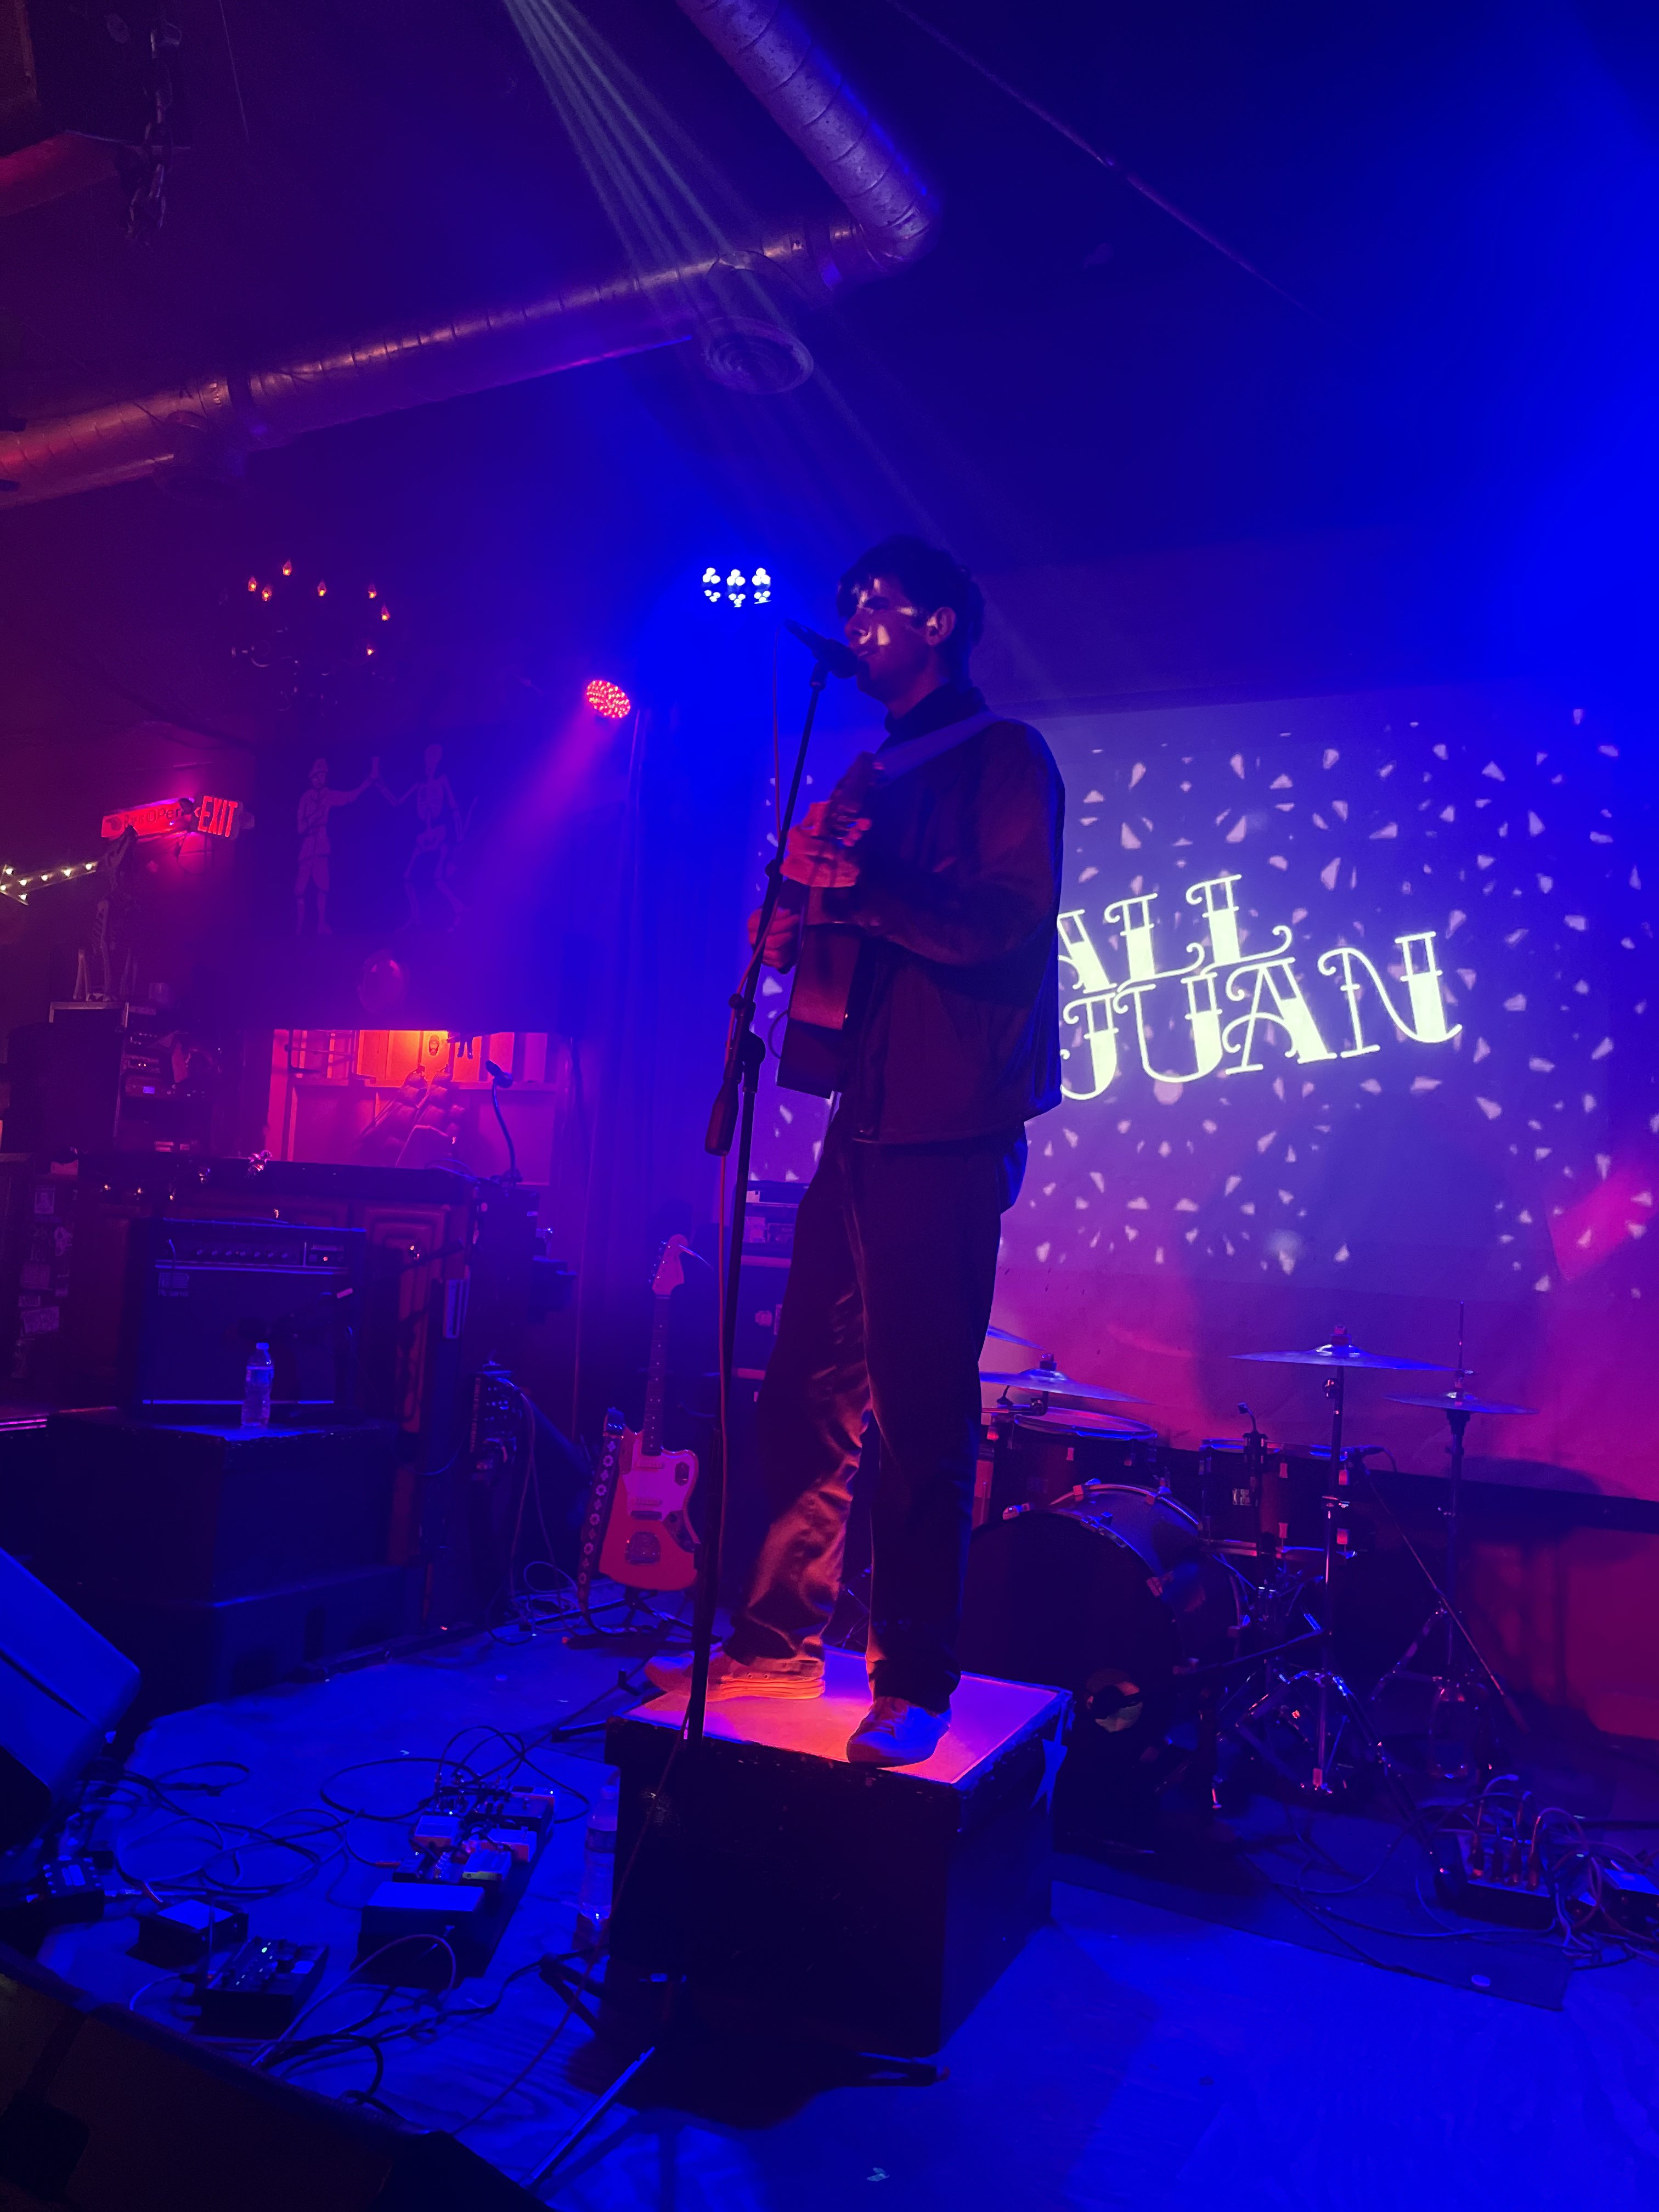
x,y
385,613
253,583
322,590
288,568
14,886
608,699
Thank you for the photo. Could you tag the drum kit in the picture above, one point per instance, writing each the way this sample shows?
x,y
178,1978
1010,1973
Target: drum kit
x,y
1088,1573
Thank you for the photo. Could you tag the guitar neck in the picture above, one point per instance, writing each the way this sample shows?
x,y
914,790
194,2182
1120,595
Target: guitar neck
x,y
656,1376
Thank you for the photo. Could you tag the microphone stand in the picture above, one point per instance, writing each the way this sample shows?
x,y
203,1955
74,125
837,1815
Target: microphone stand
x,y
734,1115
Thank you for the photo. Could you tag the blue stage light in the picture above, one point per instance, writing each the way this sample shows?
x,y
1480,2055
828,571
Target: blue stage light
x,y
735,588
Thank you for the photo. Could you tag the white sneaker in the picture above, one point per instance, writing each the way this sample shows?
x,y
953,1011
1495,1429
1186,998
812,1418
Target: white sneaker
x,y
896,1733
731,1677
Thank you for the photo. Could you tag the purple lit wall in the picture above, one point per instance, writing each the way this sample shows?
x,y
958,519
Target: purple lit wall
x,y
1393,1055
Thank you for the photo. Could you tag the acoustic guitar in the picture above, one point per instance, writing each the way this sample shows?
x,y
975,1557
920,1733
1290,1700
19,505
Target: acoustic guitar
x,y
637,1531
826,999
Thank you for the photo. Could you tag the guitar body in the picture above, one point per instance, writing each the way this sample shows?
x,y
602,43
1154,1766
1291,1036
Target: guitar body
x,y
815,1054
648,1542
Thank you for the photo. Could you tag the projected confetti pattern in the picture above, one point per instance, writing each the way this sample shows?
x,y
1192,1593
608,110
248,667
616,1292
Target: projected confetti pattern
x,y
1354,992
1396,1026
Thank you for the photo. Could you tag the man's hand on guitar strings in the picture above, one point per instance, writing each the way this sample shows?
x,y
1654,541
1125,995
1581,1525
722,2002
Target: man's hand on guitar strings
x,y
818,854
782,936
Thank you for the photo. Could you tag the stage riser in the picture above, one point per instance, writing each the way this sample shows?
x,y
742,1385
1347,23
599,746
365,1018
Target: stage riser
x,y
807,1897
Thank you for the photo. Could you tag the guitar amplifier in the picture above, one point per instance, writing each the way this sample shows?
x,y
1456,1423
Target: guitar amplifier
x,y
200,1295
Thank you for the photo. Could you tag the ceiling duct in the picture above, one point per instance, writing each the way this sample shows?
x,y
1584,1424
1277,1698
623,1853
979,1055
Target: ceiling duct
x,y
888,216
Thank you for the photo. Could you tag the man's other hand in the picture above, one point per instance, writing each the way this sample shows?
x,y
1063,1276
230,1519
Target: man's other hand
x,y
782,936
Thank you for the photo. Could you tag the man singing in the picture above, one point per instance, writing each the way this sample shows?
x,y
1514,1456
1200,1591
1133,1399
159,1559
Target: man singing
x,y
951,871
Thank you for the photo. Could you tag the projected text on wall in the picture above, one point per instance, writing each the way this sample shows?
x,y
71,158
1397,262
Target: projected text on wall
x,y
1275,1016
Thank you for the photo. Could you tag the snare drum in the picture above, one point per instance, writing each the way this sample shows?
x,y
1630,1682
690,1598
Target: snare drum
x,y
1039,1457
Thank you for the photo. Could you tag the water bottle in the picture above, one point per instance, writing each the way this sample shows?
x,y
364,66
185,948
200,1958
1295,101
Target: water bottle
x,y
598,1872
256,1389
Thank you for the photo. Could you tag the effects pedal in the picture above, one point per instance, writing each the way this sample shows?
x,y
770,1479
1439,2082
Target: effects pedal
x,y
257,1990
1624,1896
184,1934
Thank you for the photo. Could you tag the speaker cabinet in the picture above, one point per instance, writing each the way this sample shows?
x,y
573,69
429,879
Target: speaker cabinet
x,y
107,2113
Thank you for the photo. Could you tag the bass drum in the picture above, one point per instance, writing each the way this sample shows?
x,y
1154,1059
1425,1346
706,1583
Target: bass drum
x,y
1106,1595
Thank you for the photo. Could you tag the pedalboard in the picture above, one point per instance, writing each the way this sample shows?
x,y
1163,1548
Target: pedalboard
x,y
1497,1880
441,1912
257,1990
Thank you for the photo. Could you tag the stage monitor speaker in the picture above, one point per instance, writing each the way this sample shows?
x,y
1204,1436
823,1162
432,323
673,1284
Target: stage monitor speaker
x,y
108,2112
62,1689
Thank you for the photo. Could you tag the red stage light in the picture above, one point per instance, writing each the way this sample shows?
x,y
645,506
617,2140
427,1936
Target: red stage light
x,y
322,590
253,583
608,699
288,568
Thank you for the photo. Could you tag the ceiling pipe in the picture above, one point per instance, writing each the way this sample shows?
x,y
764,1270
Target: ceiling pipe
x,y
892,210
198,433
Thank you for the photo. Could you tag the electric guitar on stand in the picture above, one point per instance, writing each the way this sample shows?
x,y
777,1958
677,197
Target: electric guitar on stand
x,y
637,1531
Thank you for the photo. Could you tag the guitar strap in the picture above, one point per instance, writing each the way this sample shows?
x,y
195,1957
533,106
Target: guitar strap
x,y
915,753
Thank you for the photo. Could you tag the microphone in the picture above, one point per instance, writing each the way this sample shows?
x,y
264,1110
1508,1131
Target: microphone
x,y
829,653
498,1075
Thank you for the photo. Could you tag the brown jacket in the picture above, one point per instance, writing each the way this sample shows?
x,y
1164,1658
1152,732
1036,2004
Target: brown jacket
x,y
959,891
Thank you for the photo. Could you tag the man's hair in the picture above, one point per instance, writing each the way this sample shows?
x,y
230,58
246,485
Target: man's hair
x,y
932,578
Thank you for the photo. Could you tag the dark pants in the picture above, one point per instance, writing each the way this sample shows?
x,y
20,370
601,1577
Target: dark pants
x,y
889,1297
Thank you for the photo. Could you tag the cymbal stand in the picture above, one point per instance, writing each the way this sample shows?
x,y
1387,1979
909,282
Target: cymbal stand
x,y
1335,1708
1457,1673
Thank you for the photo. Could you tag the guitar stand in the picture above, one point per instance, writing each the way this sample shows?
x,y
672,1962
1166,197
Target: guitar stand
x,y
633,1637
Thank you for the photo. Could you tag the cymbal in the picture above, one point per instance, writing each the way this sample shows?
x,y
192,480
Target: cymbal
x,y
1459,1402
1055,1384
1339,1353
1007,1336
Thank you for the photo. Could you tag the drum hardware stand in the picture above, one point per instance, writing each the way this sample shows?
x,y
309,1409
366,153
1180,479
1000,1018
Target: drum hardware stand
x,y
1464,1676
1256,1458
1456,1670
1336,1709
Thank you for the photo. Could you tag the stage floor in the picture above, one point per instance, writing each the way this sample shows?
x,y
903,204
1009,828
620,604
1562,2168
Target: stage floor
x,y
1131,2056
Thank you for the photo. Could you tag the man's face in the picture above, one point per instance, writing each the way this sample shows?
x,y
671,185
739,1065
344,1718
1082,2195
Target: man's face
x,y
318,774
895,641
